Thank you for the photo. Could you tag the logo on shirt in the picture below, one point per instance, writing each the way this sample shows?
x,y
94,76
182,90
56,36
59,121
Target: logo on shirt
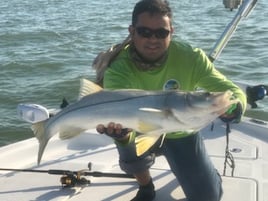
x,y
171,84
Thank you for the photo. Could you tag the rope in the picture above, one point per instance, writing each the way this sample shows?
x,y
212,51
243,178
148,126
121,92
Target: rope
x,y
229,159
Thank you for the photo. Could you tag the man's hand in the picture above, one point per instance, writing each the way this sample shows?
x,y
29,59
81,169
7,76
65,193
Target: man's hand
x,y
114,130
233,114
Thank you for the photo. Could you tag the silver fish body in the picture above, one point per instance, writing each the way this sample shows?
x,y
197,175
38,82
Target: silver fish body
x,y
148,112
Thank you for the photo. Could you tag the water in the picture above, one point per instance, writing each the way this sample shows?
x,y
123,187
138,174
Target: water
x,y
47,46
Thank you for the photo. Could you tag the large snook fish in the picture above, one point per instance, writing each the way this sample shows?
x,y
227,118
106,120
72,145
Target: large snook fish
x,y
150,112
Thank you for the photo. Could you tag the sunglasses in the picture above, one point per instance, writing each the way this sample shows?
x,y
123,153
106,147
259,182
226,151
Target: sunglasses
x,y
145,32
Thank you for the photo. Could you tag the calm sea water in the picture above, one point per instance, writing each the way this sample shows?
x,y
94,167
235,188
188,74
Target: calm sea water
x,y
46,46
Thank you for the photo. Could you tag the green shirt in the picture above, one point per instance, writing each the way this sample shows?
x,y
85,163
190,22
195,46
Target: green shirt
x,y
186,69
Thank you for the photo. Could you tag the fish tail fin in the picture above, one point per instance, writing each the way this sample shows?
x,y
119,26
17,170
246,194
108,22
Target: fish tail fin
x,y
39,132
87,87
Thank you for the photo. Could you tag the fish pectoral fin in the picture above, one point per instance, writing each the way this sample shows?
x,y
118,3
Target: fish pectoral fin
x,y
145,126
88,87
70,132
161,113
144,143
149,109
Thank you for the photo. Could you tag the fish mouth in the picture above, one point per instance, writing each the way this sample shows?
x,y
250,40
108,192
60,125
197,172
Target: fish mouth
x,y
223,100
218,102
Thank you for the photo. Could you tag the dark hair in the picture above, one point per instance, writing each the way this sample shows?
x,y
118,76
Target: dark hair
x,y
151,6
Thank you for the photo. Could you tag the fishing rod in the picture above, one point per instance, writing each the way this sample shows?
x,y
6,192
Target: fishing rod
x,y
72,178
254,93
243,11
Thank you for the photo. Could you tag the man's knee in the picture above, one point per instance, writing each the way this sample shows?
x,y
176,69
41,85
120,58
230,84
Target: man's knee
x,y
140,164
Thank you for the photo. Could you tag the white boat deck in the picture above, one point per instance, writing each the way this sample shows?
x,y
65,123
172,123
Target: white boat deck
x,y
248,142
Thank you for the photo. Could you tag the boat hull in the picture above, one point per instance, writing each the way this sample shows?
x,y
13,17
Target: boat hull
x,y
248,144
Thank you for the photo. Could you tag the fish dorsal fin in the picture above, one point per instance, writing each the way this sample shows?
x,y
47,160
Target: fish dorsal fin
x,y
88,87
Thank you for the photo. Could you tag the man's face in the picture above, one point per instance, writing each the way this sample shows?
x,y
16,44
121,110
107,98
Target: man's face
x,y
151,35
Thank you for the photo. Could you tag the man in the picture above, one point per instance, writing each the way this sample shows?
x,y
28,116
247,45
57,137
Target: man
x,y
151,61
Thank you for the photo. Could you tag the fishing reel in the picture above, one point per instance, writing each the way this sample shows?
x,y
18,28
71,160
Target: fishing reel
x,y
72,179
255,93
232,4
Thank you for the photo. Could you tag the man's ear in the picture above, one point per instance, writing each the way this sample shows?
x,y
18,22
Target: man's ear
x,y
171,30
131,30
